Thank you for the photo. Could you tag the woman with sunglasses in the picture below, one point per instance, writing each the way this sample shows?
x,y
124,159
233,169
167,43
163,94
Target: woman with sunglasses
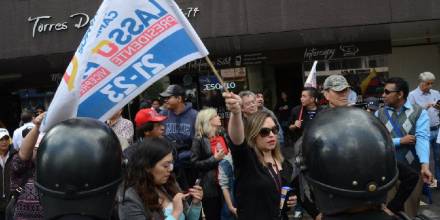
x,y
150,191
260,169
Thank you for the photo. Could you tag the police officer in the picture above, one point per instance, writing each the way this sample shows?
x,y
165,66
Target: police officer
x,y
351,168
78,170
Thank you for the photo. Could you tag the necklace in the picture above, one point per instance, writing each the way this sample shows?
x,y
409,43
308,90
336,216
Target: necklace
x,y
275,175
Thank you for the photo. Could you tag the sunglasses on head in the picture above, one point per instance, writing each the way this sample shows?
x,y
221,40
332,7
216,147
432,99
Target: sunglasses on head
x,y
264,132
387,92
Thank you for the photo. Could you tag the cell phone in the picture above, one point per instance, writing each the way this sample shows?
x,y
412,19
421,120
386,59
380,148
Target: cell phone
x,y
197,183
437,105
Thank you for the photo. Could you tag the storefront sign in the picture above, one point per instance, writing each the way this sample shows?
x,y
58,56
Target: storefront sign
x,y
42,23
80,20
319,54
331,52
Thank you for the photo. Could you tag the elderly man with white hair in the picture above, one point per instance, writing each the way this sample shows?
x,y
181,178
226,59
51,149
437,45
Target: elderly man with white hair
x,y
427,98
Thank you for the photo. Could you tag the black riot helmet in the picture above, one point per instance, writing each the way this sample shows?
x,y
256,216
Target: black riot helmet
x,y
78,169
348,160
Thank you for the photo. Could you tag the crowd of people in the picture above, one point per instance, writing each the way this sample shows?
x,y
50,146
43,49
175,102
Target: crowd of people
x,y
174,162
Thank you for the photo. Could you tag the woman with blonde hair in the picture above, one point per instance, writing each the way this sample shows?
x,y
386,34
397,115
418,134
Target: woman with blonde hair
x,y
260,169
209,149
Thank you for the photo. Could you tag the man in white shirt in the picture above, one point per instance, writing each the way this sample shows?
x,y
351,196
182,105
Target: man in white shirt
x,y
20,133
427,98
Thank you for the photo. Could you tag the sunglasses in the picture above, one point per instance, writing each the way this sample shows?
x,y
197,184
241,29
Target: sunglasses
x,y
264,132
387,92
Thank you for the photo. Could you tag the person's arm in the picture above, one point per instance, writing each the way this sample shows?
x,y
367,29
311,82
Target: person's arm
x,y
396,142
422,145
194,212
223,178
28,144
422,137
228,200
235,126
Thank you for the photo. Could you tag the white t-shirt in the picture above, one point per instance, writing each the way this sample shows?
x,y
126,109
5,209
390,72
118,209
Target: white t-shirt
x,y
17,137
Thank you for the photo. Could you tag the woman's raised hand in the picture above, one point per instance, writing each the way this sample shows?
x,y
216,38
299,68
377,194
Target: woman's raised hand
x,y
233,102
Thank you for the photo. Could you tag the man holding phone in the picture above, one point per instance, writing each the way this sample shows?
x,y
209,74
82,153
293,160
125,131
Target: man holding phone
x,y
429,99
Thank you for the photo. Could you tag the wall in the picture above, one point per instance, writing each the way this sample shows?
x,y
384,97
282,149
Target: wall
x,y
408,62
226,18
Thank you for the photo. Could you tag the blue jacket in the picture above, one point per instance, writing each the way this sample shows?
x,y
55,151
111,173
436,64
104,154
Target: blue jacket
x,y
180,128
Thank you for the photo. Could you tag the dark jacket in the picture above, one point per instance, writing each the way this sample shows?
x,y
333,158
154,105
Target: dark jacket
x,y
131,207
206,165
256,192
180,128
5,180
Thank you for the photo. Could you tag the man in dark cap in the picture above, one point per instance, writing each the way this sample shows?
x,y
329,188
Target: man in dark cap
x,y
179,129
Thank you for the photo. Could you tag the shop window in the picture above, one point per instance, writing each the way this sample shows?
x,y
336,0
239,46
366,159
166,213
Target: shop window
x,y
377,61
340,64
210,89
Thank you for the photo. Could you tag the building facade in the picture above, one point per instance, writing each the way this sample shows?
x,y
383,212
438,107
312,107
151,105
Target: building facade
x,y
256,44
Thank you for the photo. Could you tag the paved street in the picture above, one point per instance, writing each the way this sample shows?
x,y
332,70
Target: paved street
x,y
433,210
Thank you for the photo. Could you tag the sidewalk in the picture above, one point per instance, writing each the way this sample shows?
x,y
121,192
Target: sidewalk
x,y
432,211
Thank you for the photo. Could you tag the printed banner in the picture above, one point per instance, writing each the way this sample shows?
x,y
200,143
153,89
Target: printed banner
x,y
128,46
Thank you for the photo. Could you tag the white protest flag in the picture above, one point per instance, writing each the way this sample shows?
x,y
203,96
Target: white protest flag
x,y
65,102
129,46
311,78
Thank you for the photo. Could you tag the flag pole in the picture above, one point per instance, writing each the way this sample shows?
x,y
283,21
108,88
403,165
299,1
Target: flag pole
x,y
220,79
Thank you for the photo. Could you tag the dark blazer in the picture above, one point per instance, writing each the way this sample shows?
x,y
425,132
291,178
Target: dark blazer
x,y
206,165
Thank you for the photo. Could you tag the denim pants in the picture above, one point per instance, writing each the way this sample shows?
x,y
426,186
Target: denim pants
x,y
436,152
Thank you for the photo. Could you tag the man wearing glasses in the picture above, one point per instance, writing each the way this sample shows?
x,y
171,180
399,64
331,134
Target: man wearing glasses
x,y
427,98
409,128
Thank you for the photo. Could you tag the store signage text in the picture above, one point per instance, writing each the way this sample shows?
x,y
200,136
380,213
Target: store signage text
x,y
330,52
42,25
218,86
313,53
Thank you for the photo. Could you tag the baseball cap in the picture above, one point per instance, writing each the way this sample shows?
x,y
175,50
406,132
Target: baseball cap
x,y
336,83
372,103
147,115
3,133
173,90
